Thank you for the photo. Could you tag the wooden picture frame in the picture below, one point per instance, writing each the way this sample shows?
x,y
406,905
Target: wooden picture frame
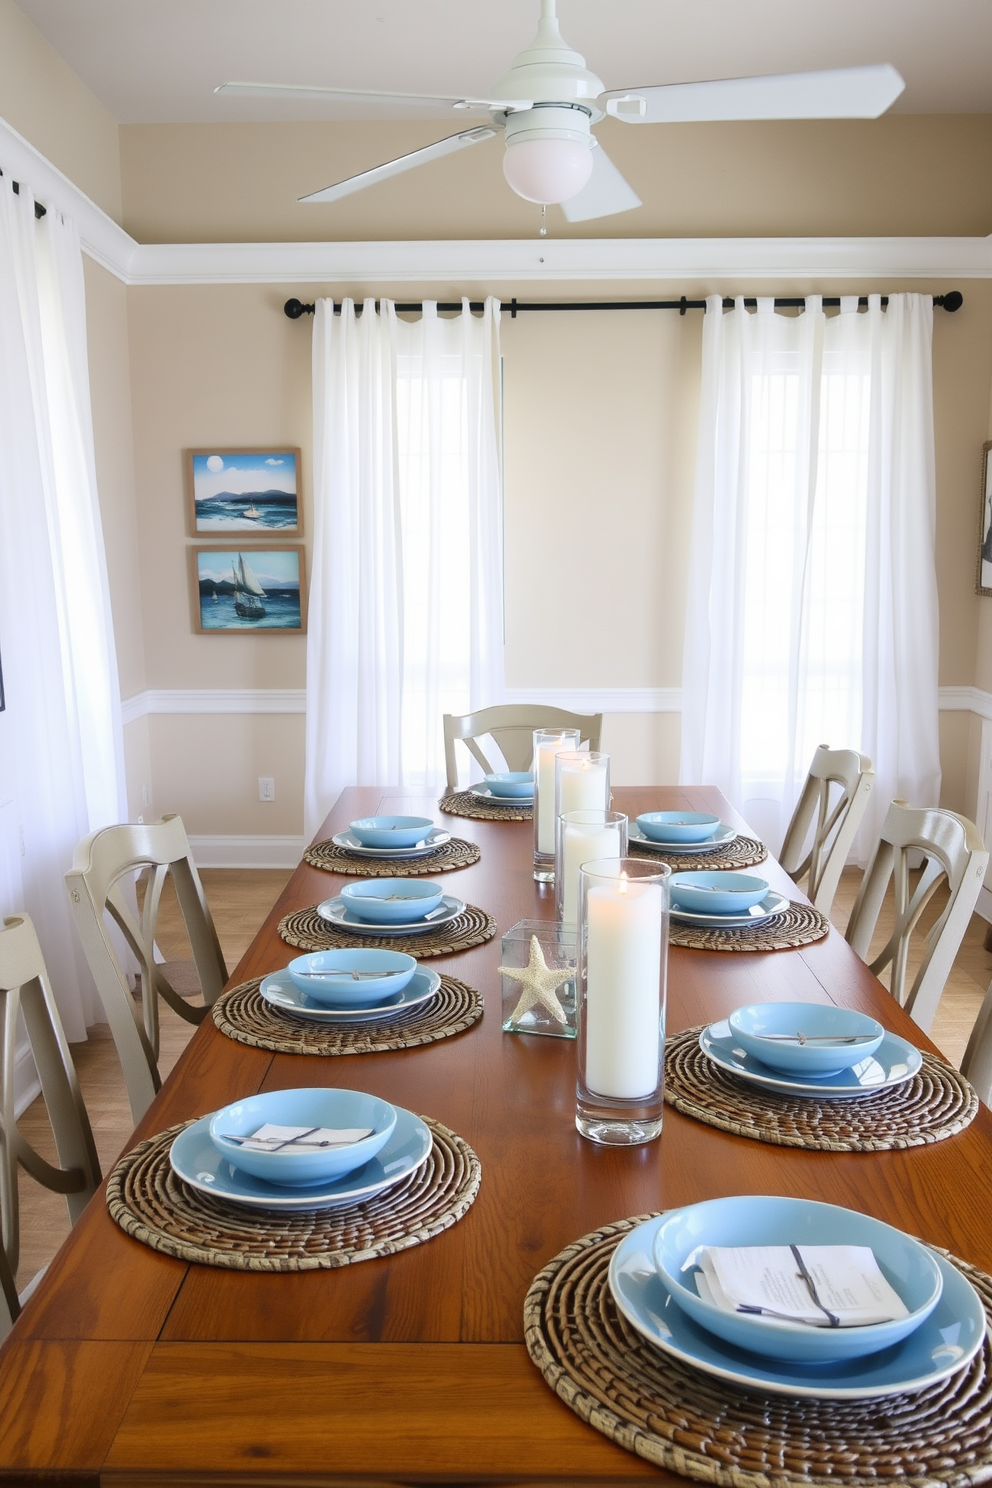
x,y
983,582
232,493
249,590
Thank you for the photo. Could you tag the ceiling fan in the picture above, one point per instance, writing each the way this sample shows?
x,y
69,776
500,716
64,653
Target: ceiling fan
x,y
548,102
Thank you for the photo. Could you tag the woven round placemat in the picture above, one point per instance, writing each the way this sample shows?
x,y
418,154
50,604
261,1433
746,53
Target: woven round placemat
x,y
798,925
463,803
936,1103
708,1429
153,1205
743,852
244,1015
444,859
309,931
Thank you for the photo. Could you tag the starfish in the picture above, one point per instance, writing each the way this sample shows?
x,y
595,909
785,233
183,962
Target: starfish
x,y
539,982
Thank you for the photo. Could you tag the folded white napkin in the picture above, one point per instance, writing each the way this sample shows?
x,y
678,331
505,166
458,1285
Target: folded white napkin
x,y
271,1138
825,1286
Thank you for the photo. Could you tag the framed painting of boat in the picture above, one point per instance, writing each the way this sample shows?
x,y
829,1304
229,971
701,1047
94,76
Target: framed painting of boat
x,y
244,490
241,591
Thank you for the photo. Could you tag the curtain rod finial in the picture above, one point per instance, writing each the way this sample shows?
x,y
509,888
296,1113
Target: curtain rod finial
x,y
295,308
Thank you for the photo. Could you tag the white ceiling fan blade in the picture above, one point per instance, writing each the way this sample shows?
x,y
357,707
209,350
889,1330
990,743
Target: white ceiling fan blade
x,y
838,93
400,164
605,193
430,101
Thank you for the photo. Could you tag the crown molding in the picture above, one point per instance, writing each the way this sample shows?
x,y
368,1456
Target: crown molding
x,y
103,239
674,261
509,262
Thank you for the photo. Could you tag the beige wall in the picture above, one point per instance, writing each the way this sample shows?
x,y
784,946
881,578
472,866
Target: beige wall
x,y
903,174
51,107
217,365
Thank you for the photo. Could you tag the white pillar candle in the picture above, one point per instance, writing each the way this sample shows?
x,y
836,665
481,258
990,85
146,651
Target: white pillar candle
x,y
547,751
583,786
584,844
623,971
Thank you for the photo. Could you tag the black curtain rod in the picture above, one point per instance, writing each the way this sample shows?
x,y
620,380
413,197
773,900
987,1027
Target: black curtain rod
x,y
951,301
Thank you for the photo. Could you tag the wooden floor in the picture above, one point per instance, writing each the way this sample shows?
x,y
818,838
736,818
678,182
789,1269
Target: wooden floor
x,y
239,901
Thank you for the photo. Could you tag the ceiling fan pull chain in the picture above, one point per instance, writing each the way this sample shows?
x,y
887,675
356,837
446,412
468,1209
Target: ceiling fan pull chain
x,y
544,219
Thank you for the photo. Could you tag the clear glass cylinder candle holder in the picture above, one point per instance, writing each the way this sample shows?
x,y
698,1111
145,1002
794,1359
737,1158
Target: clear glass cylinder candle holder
x,y
548,744
537,971
583,836
621,986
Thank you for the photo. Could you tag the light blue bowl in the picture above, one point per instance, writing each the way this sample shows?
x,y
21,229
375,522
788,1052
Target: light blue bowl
x,y
716,892
303,1167
391,831
678,826
759,1220
816,1020
392,901
511,783
336,987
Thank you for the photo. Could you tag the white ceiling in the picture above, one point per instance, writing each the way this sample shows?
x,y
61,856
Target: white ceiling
x,y
158,61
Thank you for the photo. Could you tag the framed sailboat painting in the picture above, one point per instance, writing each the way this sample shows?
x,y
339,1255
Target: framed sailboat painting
x,y
241,591
244,490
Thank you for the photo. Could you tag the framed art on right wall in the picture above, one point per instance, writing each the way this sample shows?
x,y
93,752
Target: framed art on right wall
x,y
984,584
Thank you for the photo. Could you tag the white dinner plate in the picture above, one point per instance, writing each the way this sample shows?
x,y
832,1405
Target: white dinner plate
x,y
893,1062
434,839
336,912
724,834
940,1346
772,904
197,1162
491,799
282,992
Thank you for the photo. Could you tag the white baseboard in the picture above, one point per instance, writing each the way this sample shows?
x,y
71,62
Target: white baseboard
x,y
247,852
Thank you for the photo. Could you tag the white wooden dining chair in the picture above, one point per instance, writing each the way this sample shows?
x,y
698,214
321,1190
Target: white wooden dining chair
x,y
100,884
511,726
836,794
26,993
953,853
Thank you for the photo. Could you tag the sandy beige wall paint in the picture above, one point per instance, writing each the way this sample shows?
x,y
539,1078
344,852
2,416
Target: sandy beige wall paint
x,y
218,366
902,174
50,106
207,769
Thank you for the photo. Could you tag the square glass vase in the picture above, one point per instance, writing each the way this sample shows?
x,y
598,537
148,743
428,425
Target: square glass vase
x,y
524,1010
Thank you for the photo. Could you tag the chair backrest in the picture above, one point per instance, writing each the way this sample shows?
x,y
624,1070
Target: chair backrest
x,y
512,726
25,991
849,778
100,885
953,851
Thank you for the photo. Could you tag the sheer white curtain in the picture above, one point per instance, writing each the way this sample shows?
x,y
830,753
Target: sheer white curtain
x,y
405,618
61,753
812,610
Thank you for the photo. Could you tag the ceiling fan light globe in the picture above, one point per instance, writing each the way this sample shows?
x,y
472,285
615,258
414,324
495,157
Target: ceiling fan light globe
x,y
547,170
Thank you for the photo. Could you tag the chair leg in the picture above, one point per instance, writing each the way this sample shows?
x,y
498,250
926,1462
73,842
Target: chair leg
x,y
987,943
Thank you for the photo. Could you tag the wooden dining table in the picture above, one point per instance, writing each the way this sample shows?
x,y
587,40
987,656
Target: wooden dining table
x,y
128,1366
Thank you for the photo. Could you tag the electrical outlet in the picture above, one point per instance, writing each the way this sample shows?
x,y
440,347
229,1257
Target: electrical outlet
x,y
266,788
141,821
